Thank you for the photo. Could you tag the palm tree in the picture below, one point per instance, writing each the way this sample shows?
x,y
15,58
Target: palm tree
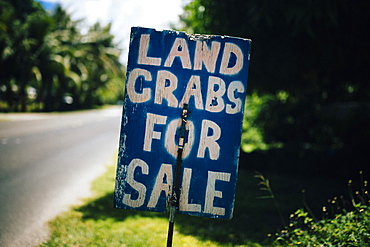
x,y
81,64
49,54
25,24
101,59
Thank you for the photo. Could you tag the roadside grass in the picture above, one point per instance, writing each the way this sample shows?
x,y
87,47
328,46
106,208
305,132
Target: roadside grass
x,y
97,223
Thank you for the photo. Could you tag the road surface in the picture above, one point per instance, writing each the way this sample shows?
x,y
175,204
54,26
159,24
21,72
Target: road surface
x,y
47,162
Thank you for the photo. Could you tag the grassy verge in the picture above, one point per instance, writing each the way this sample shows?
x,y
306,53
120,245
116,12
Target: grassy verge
x,y
97,223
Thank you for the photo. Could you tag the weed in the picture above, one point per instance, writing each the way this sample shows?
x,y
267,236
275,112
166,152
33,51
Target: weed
x,y
265,186
339,227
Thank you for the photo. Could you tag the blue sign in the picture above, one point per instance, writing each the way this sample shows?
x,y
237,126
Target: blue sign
x,y
166,71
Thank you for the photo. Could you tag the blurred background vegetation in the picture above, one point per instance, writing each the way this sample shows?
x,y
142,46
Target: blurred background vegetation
x,y
308,104
48,64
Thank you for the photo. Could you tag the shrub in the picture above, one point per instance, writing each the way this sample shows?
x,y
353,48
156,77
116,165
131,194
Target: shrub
x,y
347,229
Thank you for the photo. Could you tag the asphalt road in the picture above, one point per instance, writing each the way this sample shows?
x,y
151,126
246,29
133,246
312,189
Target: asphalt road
x,y
47,162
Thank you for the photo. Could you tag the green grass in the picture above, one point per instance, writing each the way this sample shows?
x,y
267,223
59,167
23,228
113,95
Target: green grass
x,y
97,223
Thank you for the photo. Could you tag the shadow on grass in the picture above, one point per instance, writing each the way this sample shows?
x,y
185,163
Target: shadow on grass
x,y
253,218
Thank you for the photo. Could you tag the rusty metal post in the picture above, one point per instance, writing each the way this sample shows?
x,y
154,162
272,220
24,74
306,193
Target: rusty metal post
x,y
175,196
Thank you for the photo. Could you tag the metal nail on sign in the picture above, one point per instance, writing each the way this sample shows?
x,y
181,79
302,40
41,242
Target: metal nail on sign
x,y
167,70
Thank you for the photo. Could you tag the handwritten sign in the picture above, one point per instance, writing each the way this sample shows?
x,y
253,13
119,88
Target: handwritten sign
x,y
167,69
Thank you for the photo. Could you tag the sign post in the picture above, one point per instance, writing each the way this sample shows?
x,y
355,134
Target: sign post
x,y
181,126
174,203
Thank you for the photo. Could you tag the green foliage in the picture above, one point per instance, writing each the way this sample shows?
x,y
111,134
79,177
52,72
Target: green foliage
x,y
252,138
111,92
346,229
24,24
308,67
48,63
342,225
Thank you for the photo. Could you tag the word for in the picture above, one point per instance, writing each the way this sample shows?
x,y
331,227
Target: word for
x,y
163,183
206,141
